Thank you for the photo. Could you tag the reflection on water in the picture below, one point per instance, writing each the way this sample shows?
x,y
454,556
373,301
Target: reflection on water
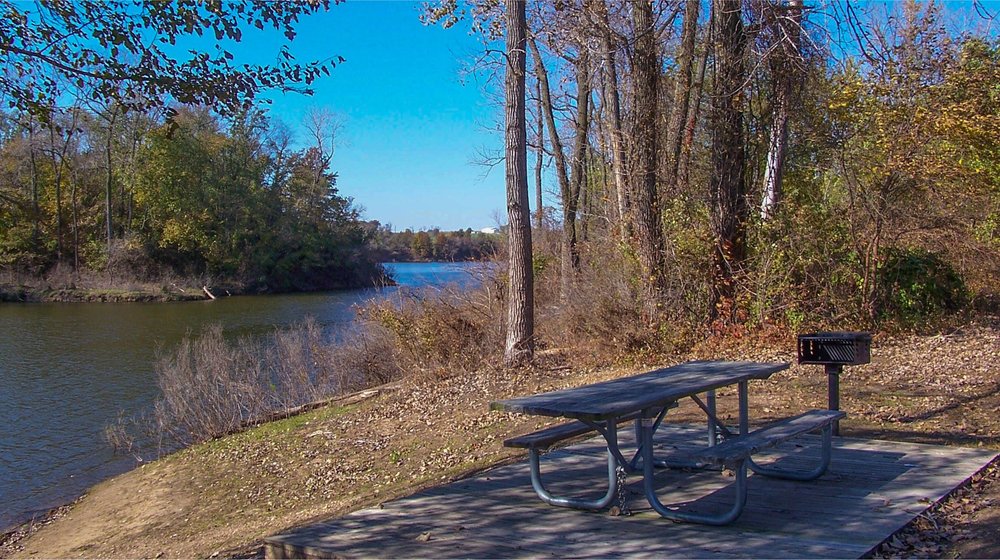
x,y
67,369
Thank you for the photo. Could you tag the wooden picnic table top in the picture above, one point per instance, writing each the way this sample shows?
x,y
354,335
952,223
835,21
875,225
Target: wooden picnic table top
x,y
619,397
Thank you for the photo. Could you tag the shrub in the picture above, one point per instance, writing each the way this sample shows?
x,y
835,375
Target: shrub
x,y
211,386
603,318
915,285
443,332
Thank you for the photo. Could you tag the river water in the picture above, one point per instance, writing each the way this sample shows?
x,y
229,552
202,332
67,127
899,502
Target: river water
x,y
67,369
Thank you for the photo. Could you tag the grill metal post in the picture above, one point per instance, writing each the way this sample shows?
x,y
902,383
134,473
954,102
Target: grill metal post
x,y
713,434
833,372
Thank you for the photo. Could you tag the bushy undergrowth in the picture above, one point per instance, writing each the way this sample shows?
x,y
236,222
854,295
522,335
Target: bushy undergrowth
x,y
211,386
602,318
916,285
444,332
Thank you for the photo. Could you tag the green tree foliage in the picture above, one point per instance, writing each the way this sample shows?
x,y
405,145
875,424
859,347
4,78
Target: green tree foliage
x,y
421,245
127,51
206,198
916,139
106,101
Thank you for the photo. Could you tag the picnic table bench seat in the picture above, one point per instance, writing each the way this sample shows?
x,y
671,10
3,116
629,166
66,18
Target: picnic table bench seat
x,y
732,451
547,437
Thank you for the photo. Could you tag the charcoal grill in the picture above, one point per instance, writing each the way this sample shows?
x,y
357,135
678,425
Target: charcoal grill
x,y
834,350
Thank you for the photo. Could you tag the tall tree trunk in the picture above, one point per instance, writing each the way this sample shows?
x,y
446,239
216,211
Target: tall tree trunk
x,y
520,344
644,199
599,161
682,91
784,70
110,179
127,195
568,246
727,184
57,173
694,111
611,100
578,175
76,218
539,161
35,206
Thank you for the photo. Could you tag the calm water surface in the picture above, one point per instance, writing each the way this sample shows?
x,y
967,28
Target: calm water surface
x,y
67,369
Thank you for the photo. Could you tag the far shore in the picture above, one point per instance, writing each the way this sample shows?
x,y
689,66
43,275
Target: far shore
x,y
33,294
146,293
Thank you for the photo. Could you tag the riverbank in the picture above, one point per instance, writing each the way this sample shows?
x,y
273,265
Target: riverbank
x,y
33,294
137,292
224,496
22,293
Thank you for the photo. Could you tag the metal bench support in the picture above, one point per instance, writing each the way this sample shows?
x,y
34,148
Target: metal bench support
x,y
610,433
740,485
719,519
820,470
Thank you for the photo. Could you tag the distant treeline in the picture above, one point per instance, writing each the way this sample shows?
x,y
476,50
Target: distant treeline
x,y
106,189
431,245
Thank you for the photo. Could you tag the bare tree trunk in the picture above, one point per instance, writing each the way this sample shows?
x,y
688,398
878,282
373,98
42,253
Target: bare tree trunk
x,y
539,161
76,218
570,258
599,160
784,69
110,178
520,301
611,100
644,199
682,90
128,197
57,172
578,176
35,206
728,185
774,168
694,111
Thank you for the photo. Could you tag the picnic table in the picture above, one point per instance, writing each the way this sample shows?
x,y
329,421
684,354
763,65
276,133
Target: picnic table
x,y
645,399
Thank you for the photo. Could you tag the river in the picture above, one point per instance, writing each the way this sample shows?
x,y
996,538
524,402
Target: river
x,y
67,369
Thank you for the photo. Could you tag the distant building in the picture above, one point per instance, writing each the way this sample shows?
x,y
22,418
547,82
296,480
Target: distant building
x,y
488,230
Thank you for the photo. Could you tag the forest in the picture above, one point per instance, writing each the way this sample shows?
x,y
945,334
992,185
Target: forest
x,y
136,197
432,244
692,163
730,164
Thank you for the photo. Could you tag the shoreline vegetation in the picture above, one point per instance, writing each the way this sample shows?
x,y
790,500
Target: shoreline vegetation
x,y
21,293
39,290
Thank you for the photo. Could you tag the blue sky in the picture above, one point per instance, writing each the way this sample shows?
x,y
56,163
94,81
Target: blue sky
x,y
411,127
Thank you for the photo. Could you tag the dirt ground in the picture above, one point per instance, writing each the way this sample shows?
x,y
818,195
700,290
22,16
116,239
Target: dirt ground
x,y
223,497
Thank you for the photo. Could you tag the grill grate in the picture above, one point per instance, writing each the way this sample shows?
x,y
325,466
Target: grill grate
x,y
843,348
